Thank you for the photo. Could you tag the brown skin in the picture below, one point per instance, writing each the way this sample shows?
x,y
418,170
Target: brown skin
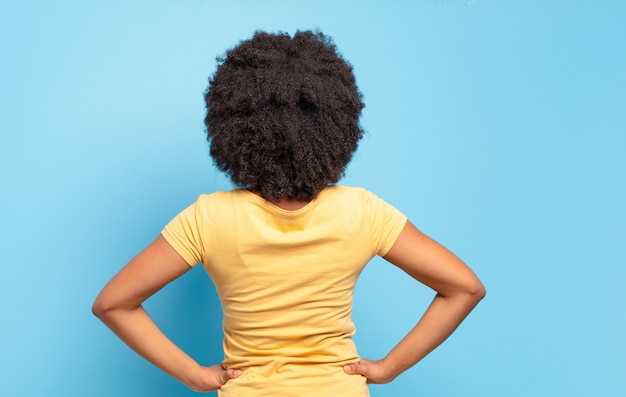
x,y
119,306
458,291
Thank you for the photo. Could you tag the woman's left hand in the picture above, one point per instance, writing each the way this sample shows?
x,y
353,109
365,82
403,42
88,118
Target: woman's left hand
x,y
374,371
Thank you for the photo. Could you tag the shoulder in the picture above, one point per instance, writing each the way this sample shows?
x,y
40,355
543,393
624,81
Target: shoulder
x,y
355,201
209,205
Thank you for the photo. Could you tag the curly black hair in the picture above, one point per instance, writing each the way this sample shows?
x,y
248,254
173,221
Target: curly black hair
x,y
283,114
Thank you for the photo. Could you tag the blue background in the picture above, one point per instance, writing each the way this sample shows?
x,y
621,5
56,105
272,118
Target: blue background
x,y
498,127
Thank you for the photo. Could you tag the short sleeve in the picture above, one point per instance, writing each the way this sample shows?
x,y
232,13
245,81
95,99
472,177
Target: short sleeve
x,y
184,234
386,223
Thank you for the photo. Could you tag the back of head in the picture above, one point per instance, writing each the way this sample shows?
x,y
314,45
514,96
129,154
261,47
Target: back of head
x,y
283,115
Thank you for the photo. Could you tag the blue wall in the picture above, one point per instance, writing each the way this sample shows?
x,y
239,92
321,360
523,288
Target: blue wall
x,y
498,127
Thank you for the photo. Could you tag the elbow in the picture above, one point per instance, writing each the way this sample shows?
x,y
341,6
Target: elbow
x,y
102,308
98,309
105,307
476,290
471,290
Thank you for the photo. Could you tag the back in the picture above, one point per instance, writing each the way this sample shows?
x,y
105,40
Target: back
x,y
286,280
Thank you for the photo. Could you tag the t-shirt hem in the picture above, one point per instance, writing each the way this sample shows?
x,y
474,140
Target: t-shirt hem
x,y
171,240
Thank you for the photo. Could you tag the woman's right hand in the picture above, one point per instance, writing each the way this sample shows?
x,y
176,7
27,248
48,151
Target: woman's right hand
x,y
211,378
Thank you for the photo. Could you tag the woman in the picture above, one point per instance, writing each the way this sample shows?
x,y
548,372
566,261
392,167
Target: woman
x,y
285,247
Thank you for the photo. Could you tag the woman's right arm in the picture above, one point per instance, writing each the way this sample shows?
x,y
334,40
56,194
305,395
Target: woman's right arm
x,y
458,290
119,306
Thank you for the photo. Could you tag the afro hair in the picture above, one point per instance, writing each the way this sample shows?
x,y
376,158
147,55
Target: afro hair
x,y
283,114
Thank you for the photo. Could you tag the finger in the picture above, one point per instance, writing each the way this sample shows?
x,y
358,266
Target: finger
x,y
233,373
229,374
355,368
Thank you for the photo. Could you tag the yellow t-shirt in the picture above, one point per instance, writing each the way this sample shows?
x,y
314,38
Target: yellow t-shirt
x,y
285,280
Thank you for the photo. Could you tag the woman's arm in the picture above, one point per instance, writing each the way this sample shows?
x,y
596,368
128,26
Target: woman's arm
x,y
119,306
458,291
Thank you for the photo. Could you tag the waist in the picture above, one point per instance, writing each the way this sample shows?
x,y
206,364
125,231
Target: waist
x,y
284,378
316,351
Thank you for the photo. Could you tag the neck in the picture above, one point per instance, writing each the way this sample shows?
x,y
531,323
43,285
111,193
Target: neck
x,y
290,205
286,204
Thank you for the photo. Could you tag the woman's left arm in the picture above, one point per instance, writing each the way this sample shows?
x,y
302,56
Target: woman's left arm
x,y
458,291
119,306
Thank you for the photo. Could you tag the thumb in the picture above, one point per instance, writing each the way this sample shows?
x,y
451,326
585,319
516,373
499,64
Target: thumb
x,y
229,374
356,368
